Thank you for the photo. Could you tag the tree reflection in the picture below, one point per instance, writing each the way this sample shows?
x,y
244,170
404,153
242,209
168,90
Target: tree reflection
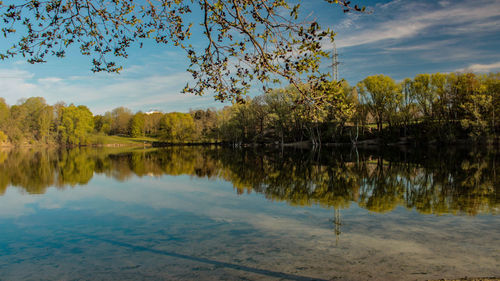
x,y
431,182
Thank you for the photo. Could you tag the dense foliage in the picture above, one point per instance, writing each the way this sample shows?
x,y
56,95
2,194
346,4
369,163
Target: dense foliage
x,y
429,108
32,120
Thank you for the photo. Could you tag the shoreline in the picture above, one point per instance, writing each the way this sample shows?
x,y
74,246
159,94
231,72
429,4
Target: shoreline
x,y
369,143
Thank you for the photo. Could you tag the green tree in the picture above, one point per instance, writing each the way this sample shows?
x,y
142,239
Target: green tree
x,y
205,124
98,123
475,103
424,94
120,120
244,116
15,127
177,127
28,117
442,102
152,123
229,129
281,103
4,116
137,125
341,103
492,84
4,112
76,124
382,96
3,137
408,111
45,121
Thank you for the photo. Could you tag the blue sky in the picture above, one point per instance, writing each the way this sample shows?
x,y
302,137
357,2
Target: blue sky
x,y
400,38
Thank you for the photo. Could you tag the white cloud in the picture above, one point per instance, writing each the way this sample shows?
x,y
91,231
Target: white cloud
x,y
444,3
49,80
16,204
15,84
7,73
480,67
397,20
423,46
103,92
383,32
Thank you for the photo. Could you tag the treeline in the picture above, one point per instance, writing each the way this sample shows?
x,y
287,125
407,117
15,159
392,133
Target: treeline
x,y
32,120
428,108
438,182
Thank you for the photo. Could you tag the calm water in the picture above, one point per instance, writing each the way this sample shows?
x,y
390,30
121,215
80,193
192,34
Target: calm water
x,y
220,214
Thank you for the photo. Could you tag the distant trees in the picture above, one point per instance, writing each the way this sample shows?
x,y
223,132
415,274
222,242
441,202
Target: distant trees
x,y
120,120
137,125
4,115
424,94
449,103
152,123
177,127
282,116
382,96
76,123
29,120
428,107
492,84
4,111
32,120
280,103
206,122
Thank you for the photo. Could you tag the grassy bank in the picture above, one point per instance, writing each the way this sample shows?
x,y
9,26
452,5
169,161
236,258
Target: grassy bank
x,y
92,140
106,140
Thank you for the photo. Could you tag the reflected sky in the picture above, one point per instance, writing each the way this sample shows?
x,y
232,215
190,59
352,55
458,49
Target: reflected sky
x,y
188,226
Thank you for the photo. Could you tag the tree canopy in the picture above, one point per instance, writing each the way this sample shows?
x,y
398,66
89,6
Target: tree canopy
x,y
429,108
245,40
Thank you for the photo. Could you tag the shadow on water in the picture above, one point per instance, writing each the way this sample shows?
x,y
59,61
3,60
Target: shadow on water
x,y
439,181
137,248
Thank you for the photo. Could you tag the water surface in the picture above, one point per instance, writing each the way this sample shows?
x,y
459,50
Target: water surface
x,y
190,213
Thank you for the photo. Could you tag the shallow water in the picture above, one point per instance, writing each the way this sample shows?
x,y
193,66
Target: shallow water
x,y
219,214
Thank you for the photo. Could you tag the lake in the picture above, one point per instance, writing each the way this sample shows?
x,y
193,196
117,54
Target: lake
x,y
212,213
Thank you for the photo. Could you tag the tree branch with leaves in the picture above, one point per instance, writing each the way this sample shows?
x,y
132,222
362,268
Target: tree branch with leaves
x,y
247,41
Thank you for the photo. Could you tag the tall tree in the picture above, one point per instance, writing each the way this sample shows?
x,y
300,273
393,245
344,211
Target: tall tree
x,y
4,115
281,103
45,120
177,127
424,94
475,103
35,126
342,100
120,119
382,96
152,123
4,112
205,124
76,124
137,125
441,105
492,84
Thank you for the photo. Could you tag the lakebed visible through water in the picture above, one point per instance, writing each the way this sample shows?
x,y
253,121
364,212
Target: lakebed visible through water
x,y
212,213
